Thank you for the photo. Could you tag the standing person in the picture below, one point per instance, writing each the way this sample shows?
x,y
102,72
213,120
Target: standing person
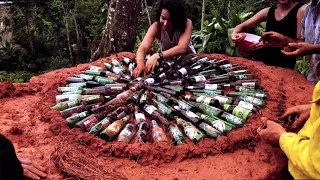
x,y
12,168
302,149
296,47
284,18
173,32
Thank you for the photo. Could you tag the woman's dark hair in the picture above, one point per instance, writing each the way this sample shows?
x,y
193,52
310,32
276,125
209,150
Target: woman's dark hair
x,y
178,17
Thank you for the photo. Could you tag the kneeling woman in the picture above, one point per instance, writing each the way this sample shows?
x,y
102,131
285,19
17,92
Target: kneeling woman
x,y
172,30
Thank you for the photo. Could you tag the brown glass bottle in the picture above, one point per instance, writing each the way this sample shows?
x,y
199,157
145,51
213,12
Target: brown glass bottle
x,y
87,123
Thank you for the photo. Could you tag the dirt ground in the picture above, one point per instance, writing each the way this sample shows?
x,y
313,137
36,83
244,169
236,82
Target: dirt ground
x,y
41,134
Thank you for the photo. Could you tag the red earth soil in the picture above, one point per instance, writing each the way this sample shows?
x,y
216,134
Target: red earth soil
x,y
41,134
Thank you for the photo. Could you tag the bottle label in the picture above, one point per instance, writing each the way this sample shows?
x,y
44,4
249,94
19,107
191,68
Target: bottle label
x,y
250,84
91,98
197,67
190,87
116,70
203,99
140,116
96,68
190,131
243,76
84,76
126,132
209,129
219,125
90,122
178,82
72,103
67,89
259,95
150,81
158,136
191,114
175,132
150,109
233,119
241,112
200,78
222,100
226,66
211,86
183,71
183,105
114,127
162,76
77,85
162,99
177,108
245,105
252,100
187,97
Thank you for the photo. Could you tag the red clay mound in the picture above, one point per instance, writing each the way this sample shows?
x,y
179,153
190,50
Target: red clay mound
x,y
42,134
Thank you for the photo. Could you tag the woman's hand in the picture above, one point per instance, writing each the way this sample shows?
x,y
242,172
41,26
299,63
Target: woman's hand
x,y
32,170
237,37
298,49
298,114
274,39
272,133
256,46
151,63
137,71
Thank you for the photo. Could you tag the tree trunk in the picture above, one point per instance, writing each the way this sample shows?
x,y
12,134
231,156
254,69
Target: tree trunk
x,y
121,28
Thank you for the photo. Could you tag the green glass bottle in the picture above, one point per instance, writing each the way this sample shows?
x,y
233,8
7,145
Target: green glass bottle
x,y
100,126
232,119
202,99
85,76
176,134
68,89
245,88
209,130
190,130
208,72
207,92
224,99
238,111
160,97
135,97
255,101
66,104
73,92
103,80
208,110
257,94
74,119
222,126
165,110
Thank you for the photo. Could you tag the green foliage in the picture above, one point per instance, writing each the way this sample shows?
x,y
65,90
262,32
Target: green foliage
x,y
215,36
15,77
155,45
11,57
302,66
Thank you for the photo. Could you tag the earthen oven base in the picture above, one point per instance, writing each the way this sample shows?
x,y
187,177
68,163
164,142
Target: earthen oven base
x,y
46,138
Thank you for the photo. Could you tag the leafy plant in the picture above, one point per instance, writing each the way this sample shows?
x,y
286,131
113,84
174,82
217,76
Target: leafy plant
x,y
215,35
11,57
16,77
302,66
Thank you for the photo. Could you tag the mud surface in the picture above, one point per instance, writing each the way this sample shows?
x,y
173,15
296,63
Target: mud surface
x,y
41,134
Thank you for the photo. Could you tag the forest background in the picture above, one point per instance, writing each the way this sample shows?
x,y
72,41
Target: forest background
x,y
56,34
